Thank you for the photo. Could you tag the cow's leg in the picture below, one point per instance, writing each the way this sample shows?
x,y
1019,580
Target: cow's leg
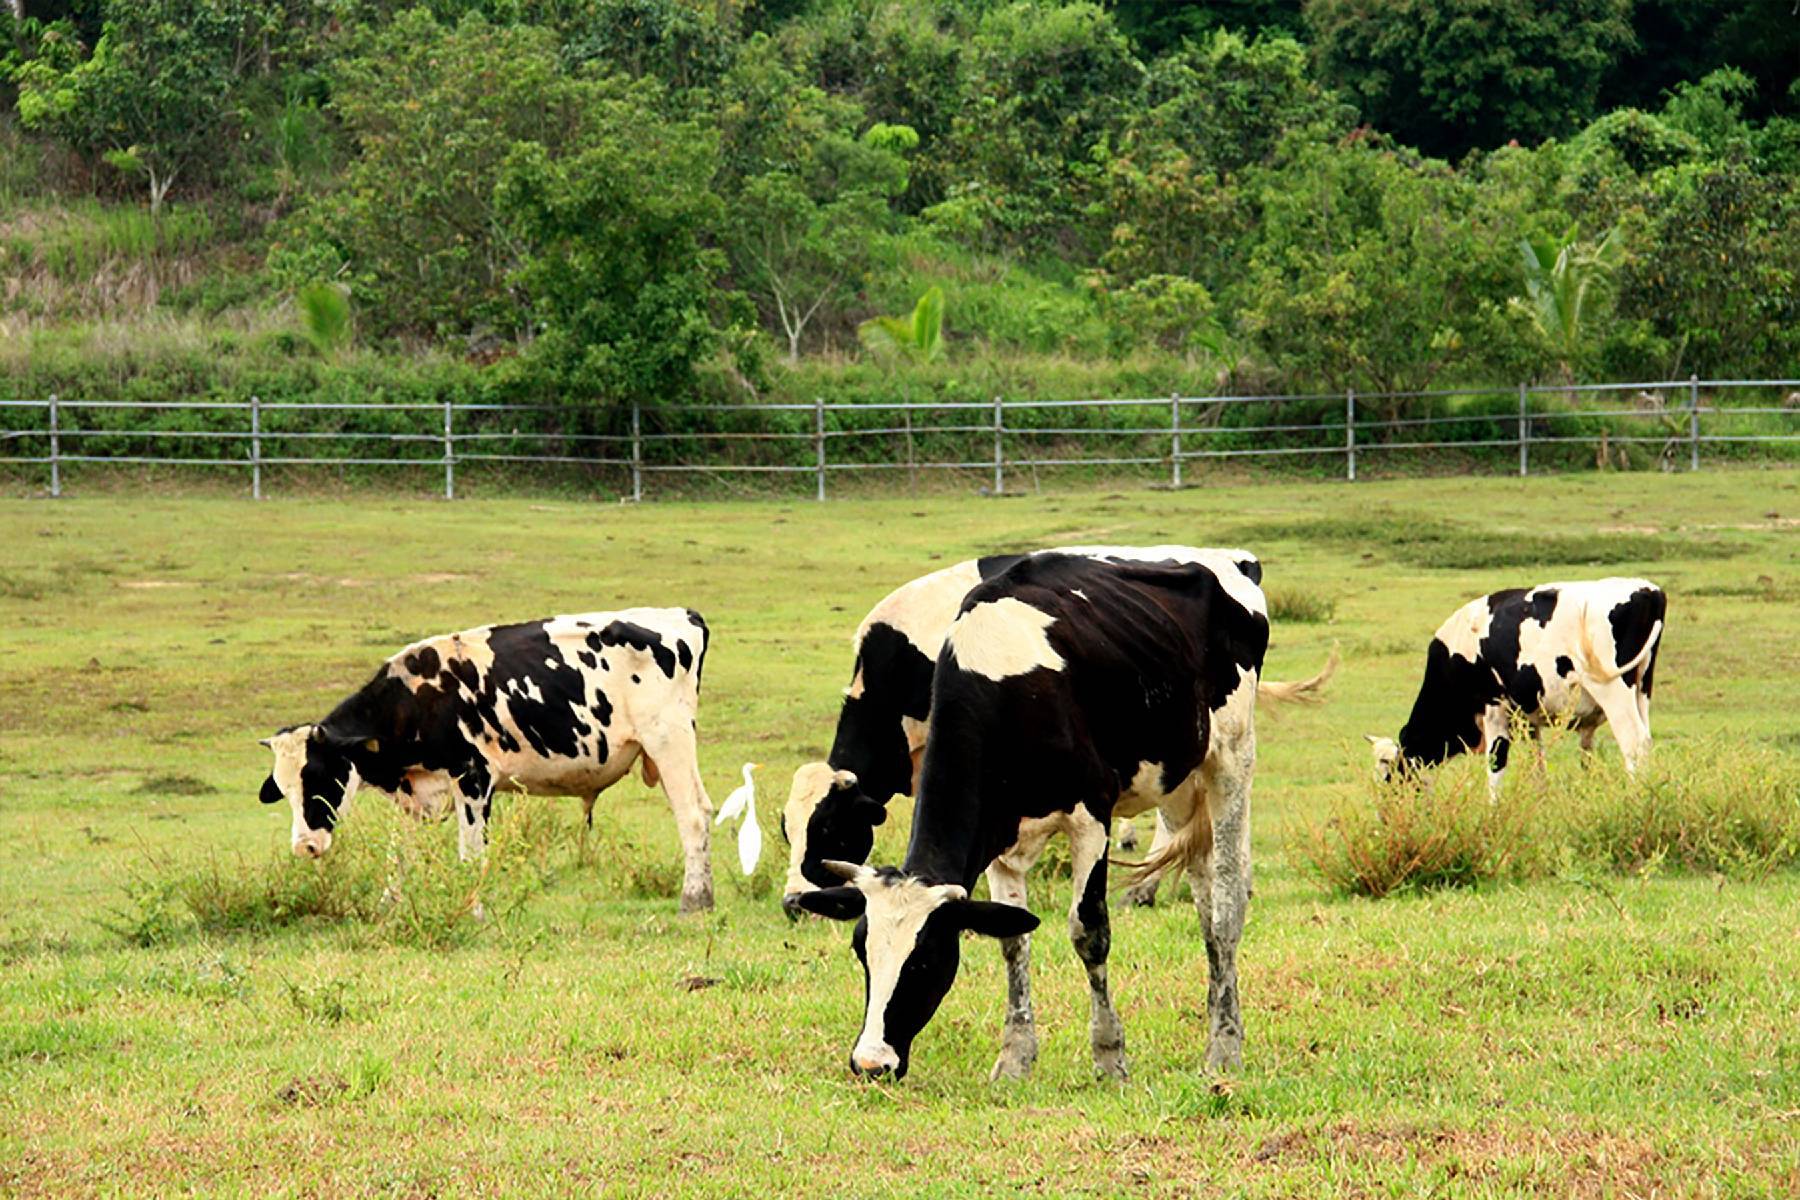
x,y
1091,931
1006,884
1128,837
678,762
1227,793
1618,701
1142,894
474,800
1497,731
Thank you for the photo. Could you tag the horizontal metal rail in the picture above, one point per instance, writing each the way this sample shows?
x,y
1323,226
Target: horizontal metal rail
x,y
794,439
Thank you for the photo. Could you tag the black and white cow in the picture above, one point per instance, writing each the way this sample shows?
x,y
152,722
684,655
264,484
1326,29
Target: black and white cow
x,y
1584,653
1069,691
559,707
834,806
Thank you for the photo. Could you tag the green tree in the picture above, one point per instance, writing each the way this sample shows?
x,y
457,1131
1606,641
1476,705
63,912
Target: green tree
x,y
1451,75
616,271
432,114
155,98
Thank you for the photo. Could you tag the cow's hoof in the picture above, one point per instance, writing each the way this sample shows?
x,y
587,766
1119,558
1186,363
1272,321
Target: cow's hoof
x,y
1140,895
1110,1064
1224,1054
1015,1061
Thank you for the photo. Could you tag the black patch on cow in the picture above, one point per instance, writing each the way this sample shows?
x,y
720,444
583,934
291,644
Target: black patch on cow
x,y
705,641
587,658
1252,570
604,665
323,778
1631,620
624,633
1095,940
841,827
271,791
602,707
994,564
423,663
635,679
896,683
683,655
1445,715
1564,665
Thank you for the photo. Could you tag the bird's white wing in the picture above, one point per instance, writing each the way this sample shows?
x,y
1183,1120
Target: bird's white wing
x,y
734,805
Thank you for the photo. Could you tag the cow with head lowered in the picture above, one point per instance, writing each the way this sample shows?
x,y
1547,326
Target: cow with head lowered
x,y
559,707
1069,690
835,805
1582,653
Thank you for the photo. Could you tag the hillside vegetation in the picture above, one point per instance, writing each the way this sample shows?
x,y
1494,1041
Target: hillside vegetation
x,y
603,201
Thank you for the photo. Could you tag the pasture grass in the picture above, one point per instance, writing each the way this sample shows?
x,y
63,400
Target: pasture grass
x,y
1596,1029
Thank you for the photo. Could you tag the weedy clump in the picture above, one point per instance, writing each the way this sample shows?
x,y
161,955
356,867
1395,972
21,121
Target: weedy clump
x,y
1300,605
396,875
1707,806
1436,829
1698,806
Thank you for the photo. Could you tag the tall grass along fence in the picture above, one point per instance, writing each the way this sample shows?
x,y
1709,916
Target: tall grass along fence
x,y
1001,445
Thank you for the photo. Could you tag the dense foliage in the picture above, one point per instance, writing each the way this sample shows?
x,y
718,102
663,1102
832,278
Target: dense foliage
x,y
631,199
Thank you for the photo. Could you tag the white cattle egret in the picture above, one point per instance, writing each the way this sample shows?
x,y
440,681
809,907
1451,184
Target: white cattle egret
x,y
742,802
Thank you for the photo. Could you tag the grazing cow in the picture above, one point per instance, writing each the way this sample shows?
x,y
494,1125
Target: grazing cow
x,y
1578,652
559,707
834,806
1069,691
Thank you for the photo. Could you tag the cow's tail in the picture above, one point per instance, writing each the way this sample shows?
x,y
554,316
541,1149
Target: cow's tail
x,y
1185,845
1596,665
1271,692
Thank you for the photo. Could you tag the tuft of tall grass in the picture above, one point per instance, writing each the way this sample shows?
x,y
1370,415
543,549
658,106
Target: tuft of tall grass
x,y
1417,833
1300,605
389,872
1702,806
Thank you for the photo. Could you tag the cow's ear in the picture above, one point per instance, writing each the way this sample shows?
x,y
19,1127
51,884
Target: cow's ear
x,y
838,903
993,919
271,792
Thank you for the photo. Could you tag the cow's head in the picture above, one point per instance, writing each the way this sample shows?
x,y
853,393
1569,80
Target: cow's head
x,y
315,775
827,816
1386,753
908,936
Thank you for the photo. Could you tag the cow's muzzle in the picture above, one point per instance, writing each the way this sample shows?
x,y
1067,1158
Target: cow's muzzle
x,y
313,845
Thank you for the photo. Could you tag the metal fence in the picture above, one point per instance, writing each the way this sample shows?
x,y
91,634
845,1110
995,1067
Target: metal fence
x,y
1672,419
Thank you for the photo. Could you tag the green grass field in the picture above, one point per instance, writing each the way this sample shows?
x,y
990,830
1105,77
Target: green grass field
x,y
1588,1034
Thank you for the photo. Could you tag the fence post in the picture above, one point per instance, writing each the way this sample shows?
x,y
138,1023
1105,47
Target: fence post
x,y
55,453
1175,440
819,442
256,448
449,457
1350,434
999,433
1524,434
1693,422
637,454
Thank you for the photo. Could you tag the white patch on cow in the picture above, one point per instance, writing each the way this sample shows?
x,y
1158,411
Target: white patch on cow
x,y
1002,638
897,911
855,690
1080,593
812,782
921,611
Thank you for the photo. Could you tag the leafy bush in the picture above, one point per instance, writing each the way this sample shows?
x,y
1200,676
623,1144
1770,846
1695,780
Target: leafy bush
x,y
1301,605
